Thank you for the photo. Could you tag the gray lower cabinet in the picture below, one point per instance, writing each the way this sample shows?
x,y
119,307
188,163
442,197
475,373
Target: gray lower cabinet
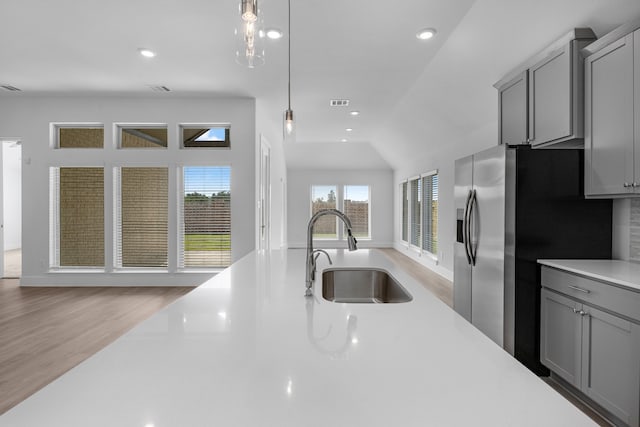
x,y
561,336
594,348
611,362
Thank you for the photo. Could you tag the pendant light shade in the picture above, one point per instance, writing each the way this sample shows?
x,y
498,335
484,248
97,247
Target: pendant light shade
x,y
250,35
289,125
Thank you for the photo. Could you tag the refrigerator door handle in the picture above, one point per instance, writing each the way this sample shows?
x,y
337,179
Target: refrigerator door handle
x,y
472,204
465,227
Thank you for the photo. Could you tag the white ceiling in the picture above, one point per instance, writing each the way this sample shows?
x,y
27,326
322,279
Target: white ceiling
x,y
365,51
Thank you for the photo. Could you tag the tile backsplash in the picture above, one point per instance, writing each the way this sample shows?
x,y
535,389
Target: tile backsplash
x,y
634,225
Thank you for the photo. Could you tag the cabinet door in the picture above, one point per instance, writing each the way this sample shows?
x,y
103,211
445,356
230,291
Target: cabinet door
x,y
513,111
609,119
550,97
611,363
560,336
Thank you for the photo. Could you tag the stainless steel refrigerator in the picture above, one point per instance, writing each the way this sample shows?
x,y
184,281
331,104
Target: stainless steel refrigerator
x,y
515,205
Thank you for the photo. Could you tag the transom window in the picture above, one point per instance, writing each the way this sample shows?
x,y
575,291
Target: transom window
x,y
78,136
142,136
195,136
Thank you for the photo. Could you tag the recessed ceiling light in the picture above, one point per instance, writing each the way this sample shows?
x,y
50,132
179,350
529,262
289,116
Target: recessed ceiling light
x,y
349,129
355,113
343,140
426,33
274,33
147,53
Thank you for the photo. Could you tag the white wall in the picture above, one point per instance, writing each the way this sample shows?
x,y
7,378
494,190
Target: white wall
x,y
443,161
11,191
299,207
30,118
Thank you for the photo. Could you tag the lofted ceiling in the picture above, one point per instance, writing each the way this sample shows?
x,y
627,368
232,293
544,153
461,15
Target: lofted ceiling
x,y
411,94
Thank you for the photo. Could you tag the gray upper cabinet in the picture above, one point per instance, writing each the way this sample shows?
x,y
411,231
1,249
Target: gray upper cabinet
x,y
612,114
609,113
550,100
513,110
542,102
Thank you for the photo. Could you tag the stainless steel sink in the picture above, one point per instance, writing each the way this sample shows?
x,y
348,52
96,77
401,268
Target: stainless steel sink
x,y
362,285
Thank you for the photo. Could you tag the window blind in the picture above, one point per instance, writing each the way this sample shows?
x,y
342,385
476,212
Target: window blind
x,y
405,211
430,213
415,201
80,137
77,217
356,207
205,217
143,137
141,211
324,197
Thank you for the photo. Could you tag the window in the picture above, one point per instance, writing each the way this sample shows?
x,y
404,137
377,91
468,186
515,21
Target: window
x,y
78,136
356,207
141,211
142,136
430,213
420,212
415,204
405,211
324,197
77,217
194,136
205,238
352,200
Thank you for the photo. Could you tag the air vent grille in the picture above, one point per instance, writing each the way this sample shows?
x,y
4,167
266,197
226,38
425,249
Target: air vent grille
x,y
339,102
10,88
160,89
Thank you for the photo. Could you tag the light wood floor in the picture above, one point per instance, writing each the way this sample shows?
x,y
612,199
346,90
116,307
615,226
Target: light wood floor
x,y
44,332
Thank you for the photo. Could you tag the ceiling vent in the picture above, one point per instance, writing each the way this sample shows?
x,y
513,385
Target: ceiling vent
x,y
10,88
160,89
339,102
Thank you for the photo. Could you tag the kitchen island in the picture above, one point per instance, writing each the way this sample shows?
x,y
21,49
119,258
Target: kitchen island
x,y
248,349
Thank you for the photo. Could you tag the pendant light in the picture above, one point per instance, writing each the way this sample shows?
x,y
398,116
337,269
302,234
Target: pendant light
x,y
289,127
249,35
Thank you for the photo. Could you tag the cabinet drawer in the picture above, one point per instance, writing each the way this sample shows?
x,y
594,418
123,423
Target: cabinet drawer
x,y
609,297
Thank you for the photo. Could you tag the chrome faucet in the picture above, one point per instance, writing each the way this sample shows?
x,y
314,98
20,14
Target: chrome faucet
x,y
312,255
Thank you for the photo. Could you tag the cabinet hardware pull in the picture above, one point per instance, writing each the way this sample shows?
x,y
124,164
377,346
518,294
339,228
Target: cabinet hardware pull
x,y
576,311
635,184
575,288
583,313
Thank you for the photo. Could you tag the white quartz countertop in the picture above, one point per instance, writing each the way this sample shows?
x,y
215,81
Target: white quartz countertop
x,y
622,273
248,349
